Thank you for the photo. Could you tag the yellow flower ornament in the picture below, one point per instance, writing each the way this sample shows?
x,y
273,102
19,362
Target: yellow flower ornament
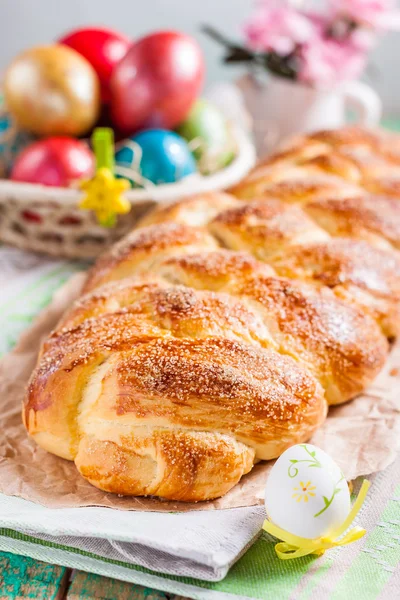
x,y
303,491
104,196
104,193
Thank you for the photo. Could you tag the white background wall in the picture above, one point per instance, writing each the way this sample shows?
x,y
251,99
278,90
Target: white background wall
x,y
24,23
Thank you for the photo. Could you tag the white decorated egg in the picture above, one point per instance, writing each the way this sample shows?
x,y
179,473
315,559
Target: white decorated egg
x,y
306,492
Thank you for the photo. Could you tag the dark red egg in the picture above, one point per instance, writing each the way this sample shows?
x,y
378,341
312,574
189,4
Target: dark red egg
x,y
102,48
157,82
55,161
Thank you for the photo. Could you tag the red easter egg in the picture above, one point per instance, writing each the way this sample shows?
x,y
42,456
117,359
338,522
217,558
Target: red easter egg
x,y
157,82
102,48
55,161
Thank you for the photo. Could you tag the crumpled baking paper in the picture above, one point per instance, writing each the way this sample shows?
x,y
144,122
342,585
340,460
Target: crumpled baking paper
x,y
362,436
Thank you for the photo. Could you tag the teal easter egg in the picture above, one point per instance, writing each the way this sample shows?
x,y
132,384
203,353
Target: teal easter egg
x,y
155,155
12,140
209,135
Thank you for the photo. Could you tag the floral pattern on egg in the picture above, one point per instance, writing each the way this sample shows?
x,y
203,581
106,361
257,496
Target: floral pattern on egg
x,y
306,492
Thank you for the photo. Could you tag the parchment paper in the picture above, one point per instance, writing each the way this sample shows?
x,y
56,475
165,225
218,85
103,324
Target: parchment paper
x,y
363,436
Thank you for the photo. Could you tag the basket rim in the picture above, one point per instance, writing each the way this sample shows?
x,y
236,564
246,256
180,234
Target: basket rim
x,y
194,184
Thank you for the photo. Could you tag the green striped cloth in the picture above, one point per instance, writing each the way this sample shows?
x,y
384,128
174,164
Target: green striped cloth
x,y
368,569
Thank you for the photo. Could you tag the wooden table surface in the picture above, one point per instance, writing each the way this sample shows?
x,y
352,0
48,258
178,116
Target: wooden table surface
x,y
23,577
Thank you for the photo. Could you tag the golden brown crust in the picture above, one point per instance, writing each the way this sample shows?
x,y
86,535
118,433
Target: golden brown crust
x,y
344,348
345,262
351,135
341,345
375,219
212,270
286,238
156,306
292,185
337,163
265,228
386,185
139,251
355,270
296,152
175,464
154,381
185,362
195,211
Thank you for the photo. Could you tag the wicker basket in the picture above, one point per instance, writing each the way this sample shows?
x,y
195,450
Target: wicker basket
x,y
46,219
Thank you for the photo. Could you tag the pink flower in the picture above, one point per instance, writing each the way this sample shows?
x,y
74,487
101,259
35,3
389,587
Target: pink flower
x,y
277,27
328,47
326,61
378,14
363,38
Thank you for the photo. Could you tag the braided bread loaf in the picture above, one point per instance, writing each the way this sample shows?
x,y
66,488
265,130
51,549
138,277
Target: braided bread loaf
x,y
216,333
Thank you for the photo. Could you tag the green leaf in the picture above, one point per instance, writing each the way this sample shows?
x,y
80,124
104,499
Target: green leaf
x,y
293,460
326,500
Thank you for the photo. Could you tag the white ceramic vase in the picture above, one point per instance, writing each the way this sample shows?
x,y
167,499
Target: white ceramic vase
x,y
281,108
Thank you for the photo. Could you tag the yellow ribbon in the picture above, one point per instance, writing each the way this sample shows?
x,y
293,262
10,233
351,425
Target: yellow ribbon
x,y
294,546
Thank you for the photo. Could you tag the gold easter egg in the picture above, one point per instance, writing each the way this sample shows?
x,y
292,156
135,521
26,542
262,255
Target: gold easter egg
x,y
52,90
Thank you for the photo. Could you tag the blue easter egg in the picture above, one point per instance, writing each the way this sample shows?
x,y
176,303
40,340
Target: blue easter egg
x,y
158,155
12,140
